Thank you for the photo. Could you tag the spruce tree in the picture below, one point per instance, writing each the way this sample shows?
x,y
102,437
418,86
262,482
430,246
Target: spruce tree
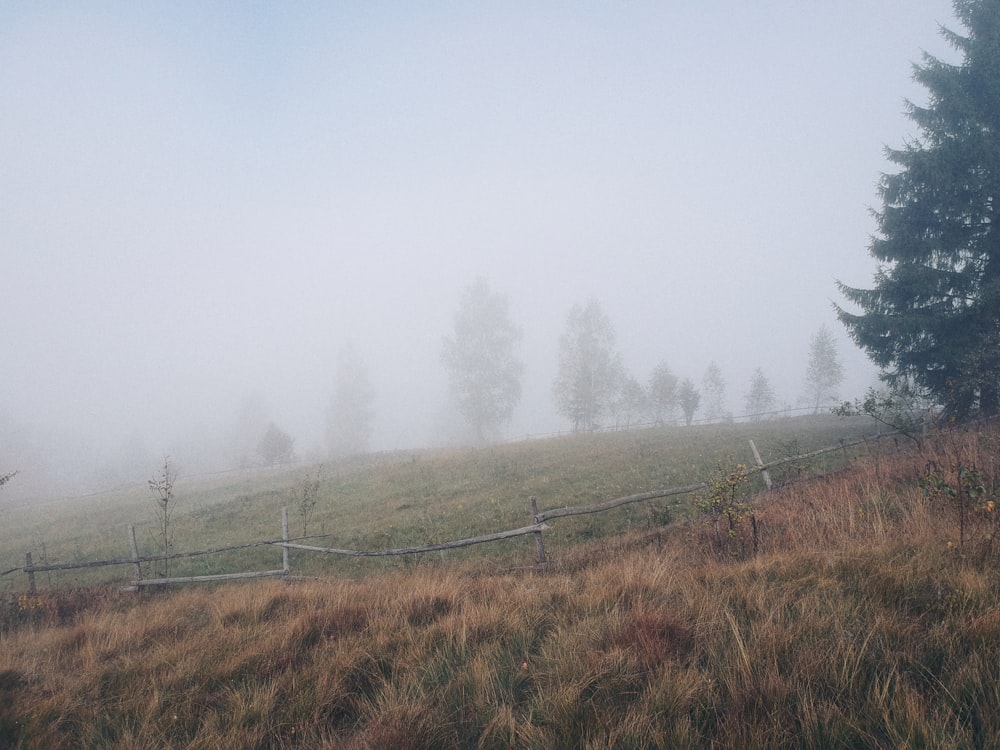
x,y
932,319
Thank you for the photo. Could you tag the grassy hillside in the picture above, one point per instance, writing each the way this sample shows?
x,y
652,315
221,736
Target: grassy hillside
x,y
868,617
404,499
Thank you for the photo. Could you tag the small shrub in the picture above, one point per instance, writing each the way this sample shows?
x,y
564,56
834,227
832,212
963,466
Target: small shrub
x,y
162,487
726,511
963,490
306,495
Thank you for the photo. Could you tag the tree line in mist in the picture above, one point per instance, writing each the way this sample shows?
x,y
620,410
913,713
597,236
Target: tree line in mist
x,y
592,389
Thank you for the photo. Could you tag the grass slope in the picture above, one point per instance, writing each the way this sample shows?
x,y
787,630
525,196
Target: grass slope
x,y
402,500
869,618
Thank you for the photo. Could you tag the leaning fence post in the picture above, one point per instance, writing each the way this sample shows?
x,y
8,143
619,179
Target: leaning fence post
x,y
760,465
135,556
284,537
30,571
539,544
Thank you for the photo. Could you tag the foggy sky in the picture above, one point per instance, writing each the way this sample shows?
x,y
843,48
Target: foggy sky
x,y
202,203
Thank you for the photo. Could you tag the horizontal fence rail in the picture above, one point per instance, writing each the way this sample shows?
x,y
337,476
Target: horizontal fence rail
x,y
606,505
287,543
534,528
143,559
215,577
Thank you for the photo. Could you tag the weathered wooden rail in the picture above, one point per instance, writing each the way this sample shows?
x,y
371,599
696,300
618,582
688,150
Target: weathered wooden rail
x,y
534,528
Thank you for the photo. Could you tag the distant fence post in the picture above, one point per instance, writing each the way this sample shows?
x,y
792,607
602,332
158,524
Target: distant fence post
x,y
30,571
284,538
539,544
760,465
135,556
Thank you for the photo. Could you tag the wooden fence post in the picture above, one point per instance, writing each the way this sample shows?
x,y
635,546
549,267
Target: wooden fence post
x,y
284,537
30,572
135,556
760,465
539,544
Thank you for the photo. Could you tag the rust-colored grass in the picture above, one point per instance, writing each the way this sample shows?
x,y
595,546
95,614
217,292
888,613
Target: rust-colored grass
x,y
860,622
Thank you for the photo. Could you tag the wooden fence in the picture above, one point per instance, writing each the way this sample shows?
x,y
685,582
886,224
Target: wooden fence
x,y
287,543
137,560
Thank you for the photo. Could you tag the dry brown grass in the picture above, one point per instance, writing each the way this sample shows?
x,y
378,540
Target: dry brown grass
x,y
855,625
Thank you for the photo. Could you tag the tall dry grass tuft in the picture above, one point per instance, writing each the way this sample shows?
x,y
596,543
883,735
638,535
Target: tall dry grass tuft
x,y
881,498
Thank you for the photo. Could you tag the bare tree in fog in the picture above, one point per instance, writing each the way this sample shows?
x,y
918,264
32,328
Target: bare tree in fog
x,y
276,446
305,496
760,399
714,388
590,367
689,399
351,411
662,391
162,487
481,361
824,373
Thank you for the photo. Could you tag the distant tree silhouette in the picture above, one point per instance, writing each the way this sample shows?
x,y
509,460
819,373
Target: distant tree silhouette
x,y
350,414
480,356
276,446
760,399
631,403
824,373
689,399
662,393
590,369
714,389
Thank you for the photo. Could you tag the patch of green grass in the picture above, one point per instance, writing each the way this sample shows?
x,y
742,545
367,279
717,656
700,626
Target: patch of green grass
x,y
405,499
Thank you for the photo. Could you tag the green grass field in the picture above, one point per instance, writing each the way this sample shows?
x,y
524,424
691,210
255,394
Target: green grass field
x,y
405,499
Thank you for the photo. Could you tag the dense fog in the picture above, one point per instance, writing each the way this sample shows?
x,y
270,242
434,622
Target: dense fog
x,y
203,205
